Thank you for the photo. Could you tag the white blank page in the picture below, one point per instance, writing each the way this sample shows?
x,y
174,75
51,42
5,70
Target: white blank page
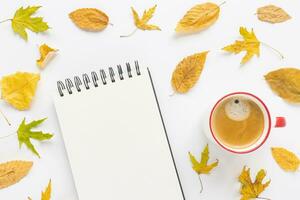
x,y
116,143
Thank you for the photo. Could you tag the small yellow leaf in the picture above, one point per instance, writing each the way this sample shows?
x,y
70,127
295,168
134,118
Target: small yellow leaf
x,y
89,19
198,18
251,190
287,160
202,167
46,54
250,44
286,83
13,171
142,23
272,14
19,89
46,195
188,72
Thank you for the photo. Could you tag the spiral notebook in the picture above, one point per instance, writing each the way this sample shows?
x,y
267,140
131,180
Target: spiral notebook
x,y
115,137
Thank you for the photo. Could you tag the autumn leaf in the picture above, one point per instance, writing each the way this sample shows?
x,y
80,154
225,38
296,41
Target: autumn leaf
x,y
286,83
250,44
187,72
19,89
90,19
23,20
46,195
272,14
198,18
25,134
202,167
142,23
286,159
46,54
251,190
13,171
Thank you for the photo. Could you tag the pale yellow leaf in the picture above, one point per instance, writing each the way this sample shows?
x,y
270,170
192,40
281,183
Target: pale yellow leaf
x,y
272,14
249,189
250,45
286,159
19,89
198,18
142,23
13,171
90,19
187,72
46,54
46,195
286,83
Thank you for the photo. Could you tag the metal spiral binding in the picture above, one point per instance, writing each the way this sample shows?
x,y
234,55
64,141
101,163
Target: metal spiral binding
x,y
93,79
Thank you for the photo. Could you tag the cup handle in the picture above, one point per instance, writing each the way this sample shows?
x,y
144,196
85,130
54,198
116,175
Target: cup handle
x,y
280,122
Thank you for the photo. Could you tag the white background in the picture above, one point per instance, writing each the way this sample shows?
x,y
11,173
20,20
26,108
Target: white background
x,y
81,51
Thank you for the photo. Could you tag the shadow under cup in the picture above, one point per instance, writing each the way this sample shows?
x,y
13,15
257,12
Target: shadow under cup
x,y
263,136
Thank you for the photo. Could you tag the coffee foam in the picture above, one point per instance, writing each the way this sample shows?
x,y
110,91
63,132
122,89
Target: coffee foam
x,y
237,108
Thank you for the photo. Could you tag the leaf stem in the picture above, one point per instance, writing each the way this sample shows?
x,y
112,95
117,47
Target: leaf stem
x,y
133,32
263,198
201,189
222,3
5,20
6,119
5,136
269,46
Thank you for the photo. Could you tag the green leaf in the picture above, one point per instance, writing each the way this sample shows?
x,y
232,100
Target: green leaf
x,y
22,20
25,134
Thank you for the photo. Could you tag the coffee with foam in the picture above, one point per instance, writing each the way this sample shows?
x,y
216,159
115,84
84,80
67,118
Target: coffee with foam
x,y
238,122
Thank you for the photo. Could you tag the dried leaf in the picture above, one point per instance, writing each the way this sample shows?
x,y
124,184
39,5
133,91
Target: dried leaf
x,y
142,23
47,194
272,14
13,171
90,19
198,18
251,190
286,83
287,160
202,167
250,44
25,134
188,72
19,89
22,20
46,54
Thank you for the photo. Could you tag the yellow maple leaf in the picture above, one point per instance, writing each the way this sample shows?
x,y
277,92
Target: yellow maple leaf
x,y
250,44
249,189
19,89
46,54
142,23
46,195
202,167
22,20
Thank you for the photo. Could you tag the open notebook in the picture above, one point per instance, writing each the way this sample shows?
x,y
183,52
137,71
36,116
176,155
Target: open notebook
x,y
115,136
